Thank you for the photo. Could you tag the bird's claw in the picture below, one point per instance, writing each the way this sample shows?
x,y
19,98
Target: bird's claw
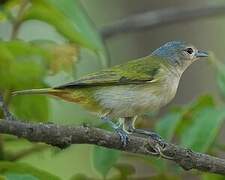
x,y
158,139
123,136
159,150
159,146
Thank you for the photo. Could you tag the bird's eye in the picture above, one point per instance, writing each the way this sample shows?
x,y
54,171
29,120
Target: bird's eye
x,y
189,50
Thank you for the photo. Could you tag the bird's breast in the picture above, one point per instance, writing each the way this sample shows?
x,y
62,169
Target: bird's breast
x,y
131,100
168,88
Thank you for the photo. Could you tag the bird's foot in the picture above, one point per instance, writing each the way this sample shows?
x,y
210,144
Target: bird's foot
x,y
154,136
118,129
123,136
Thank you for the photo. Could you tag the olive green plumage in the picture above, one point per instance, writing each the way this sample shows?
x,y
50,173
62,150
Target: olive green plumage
x,y
82,91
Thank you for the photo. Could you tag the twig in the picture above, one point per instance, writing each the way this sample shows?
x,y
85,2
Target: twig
x,y
152,19
5,110
18,19
63,136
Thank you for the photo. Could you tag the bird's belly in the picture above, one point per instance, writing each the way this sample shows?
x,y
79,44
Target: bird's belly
x,y
131,100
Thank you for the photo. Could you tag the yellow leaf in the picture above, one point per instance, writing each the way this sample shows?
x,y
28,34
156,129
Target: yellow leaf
x,y
63,57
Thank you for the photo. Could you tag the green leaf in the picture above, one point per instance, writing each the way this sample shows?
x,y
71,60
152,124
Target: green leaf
x,y
165,176
23,67
200,135
202,102
32,108
104,159
125,170
21,64
20,177
166,127
5,9
221,83
74,12
2,177
210,176
80,177
157,164
2,16
13,170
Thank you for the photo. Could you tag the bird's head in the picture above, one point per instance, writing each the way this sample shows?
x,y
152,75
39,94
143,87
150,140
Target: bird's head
x,y
179,54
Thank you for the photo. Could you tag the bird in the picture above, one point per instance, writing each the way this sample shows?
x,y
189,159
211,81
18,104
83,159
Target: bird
x,y
121,93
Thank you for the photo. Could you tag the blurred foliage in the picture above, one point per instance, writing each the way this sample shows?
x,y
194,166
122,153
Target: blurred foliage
x,y
23,171
208,176
125,171
198,138
104,159
70,20
30,64
166,127
187,122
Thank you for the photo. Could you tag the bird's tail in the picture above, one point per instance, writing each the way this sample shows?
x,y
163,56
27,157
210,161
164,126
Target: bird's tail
x,y
36,91
60,93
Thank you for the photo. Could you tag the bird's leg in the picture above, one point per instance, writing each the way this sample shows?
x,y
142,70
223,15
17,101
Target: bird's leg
x,y
128,126
118,128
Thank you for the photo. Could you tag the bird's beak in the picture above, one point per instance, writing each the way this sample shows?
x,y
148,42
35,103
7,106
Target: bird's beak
x,y
200,53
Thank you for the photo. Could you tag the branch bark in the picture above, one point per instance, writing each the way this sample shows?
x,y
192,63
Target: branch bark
x,y
152,19
63,136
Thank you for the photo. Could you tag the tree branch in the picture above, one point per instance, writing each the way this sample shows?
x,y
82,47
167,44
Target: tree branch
x,y
152,19
18,20
63,136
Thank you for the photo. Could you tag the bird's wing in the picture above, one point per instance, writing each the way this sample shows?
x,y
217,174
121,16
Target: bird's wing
x,y
134,72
